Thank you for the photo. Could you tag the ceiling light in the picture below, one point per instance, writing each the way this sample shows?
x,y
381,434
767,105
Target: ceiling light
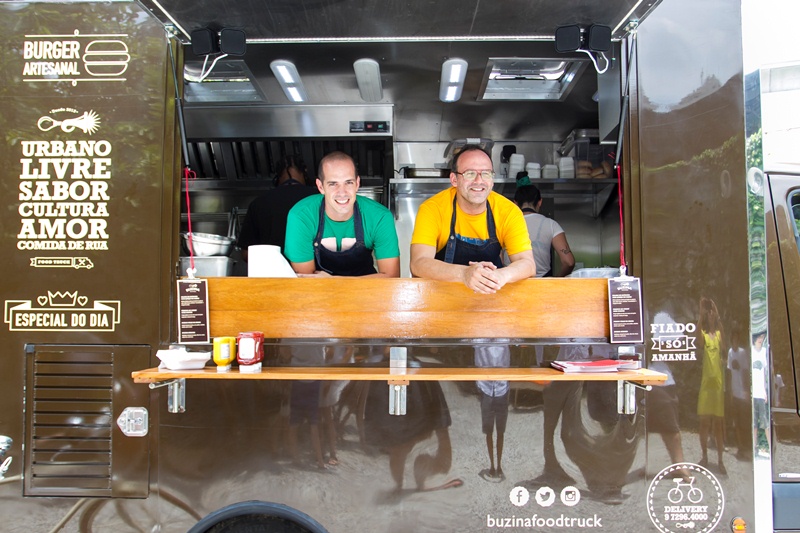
x,y
368,76
289,80
453,73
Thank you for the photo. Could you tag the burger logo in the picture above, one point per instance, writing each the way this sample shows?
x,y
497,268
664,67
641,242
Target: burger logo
x,y
106,58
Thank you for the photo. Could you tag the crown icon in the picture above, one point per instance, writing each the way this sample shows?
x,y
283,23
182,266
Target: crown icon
x,y
62,299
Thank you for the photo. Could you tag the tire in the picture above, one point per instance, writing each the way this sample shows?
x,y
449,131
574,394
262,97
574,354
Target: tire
x,y
695,495
257,517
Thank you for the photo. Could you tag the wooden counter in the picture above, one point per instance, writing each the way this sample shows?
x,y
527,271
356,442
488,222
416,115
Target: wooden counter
x,y
403,308
406,312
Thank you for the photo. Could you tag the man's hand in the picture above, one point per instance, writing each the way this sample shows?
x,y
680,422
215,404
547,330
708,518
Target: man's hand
x,y
316,274
484,277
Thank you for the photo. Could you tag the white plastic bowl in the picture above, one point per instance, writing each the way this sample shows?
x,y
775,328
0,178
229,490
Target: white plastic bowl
x,y
180,359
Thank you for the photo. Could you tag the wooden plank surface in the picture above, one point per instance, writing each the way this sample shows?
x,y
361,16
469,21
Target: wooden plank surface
x,y
403,308
644,376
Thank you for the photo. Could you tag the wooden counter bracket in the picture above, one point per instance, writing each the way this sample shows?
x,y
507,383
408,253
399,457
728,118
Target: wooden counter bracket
x,y
398,388
176,398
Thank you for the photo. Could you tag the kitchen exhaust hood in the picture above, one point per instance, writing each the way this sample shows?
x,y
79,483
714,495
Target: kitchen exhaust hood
x,y
518,78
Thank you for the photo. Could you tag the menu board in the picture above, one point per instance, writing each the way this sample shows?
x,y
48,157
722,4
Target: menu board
x,y
625,310
193,325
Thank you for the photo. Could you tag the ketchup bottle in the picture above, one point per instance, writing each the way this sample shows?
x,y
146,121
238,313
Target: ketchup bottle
x,y
251,351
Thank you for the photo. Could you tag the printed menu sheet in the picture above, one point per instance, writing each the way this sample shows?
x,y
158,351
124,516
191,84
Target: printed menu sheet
x,y
625,310
193,325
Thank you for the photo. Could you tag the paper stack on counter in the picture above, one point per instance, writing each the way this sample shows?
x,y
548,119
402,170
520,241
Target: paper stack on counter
x,y
266,261
599,365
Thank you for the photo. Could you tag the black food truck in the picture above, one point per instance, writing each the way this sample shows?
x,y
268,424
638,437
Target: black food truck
x,y
134,130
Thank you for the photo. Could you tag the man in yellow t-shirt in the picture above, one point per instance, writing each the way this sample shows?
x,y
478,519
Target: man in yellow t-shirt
x,y
460,233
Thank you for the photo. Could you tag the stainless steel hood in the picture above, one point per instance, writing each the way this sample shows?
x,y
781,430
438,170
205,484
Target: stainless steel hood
x,y
410,74
287,121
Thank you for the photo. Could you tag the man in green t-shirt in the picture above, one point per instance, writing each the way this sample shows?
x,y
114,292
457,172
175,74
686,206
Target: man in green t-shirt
x,y
337,232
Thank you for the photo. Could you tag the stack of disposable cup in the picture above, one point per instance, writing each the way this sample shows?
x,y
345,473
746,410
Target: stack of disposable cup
x,y
550,172
566,168
516,164
534,170
266,261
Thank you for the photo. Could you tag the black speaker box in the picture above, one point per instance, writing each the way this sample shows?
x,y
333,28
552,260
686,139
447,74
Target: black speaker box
x,y
598,38
204,42
232,42
568,38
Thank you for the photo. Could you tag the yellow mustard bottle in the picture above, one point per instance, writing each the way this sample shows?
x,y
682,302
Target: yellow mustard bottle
x,y
224,352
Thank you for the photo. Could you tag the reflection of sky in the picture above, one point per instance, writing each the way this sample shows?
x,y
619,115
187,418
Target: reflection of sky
x,y
670,89
768,30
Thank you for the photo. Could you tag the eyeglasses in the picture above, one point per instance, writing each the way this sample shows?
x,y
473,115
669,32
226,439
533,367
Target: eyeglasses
x,y
472,175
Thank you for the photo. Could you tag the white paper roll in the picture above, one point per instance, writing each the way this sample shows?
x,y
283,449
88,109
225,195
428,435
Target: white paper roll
x,y
266,261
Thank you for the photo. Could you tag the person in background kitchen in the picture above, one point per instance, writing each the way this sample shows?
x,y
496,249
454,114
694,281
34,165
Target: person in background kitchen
x,y
265,221
337,232
544,232
460,233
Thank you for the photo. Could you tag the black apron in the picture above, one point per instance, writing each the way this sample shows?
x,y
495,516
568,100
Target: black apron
x,y
460,252
357,261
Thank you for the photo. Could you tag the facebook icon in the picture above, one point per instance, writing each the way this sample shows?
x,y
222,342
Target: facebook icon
x,y
519,496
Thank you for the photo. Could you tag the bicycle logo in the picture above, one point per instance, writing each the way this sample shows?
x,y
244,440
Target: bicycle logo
x,y
685,497
676,494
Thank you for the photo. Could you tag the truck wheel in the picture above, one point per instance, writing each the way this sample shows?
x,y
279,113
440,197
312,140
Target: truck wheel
x,y
257,517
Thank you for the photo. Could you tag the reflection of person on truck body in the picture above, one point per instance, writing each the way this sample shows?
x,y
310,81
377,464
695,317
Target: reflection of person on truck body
x,y
460,233
494,406
739,365
711,400
544,232
427,415
662,415
337,232
760,405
